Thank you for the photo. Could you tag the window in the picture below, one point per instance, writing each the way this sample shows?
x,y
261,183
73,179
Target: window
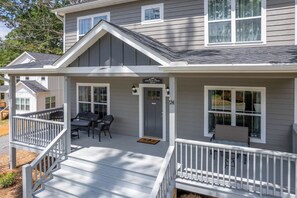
x,y
86,23
93,98
23,104
42,77
50,102
235,21
27,78
152,13
236,106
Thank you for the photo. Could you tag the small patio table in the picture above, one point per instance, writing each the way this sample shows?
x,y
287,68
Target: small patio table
x,y
82,124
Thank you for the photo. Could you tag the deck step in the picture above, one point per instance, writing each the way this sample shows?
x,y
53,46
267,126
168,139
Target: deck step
x,y
95,181
90,169
81,186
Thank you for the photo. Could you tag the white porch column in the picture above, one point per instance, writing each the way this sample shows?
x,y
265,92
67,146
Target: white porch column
x,y
67,111
12,112
172,111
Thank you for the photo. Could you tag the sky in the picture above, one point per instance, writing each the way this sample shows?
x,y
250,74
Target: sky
x,y
3,30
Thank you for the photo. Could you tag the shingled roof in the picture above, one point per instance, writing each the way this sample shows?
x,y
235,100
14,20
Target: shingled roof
x,y
4,88
34,86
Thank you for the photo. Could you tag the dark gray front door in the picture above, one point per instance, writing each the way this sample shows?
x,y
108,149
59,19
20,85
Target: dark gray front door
x,y
153,124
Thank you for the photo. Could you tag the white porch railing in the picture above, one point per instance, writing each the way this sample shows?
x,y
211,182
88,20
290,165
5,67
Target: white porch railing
x,y
253,170
34,131
165,184
40,170
44,115
294,139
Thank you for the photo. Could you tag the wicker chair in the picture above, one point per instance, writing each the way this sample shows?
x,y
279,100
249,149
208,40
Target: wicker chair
x,y
104,126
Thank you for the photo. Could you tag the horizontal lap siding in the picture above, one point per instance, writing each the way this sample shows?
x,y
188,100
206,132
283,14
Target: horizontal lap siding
x,y
123,105
280,22
279,108
183,27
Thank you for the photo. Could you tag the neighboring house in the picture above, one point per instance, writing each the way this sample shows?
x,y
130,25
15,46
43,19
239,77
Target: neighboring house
x,y
172,70
35,93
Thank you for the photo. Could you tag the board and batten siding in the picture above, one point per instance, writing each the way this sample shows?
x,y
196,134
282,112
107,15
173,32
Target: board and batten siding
x,y
123,105
279,108
183,26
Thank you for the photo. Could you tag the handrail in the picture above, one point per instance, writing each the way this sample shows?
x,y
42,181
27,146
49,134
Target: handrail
x,y
41,169
259,171
40,112
294,138
39,120
166,175
239,148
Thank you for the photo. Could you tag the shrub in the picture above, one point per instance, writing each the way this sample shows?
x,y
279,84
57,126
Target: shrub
x,y
7,179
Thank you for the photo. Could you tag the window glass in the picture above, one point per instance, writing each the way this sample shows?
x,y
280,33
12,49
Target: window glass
x,y
23,104
47,102
248,8
98,18
84,107
100,94
53,102
248,30
152,14
84,93
219,9
236,107
85,25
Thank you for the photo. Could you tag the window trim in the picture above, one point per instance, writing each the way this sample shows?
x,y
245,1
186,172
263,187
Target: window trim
x,y
92,21
233,109
143,8
92,85
233,27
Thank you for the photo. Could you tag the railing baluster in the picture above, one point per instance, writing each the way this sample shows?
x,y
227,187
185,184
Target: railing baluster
x,y
281,175
248,171
235,174
191,160
295,177
289,176
196,156
218,166
254,172
181,159
261,174
206,156
230,164
241,169
186,160
201,162
224,166
267,174
274,175
212,166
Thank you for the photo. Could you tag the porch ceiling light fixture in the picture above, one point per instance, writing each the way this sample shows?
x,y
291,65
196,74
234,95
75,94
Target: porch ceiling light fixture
x,y
134,89
167,90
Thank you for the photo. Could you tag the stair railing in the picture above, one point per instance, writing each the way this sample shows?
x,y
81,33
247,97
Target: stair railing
x,y
165,181
41,169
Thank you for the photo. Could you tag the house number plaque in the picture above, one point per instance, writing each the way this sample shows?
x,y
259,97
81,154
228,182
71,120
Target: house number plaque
x,y
152,81
171,102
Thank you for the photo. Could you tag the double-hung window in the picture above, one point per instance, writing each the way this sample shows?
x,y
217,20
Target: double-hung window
x,y
85,23
235,21
152,13
50,102
236,106
23,104
93,98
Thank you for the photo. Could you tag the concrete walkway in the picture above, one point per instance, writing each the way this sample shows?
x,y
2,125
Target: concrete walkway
x,y
4,144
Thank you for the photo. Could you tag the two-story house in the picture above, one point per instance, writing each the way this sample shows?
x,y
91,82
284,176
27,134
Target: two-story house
x,y
180,72
35,93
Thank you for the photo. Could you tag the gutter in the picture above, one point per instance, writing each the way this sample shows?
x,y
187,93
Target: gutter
x,y
59,17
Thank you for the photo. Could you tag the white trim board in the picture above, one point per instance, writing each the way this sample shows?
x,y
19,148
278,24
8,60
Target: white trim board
x,y
96,33
141,107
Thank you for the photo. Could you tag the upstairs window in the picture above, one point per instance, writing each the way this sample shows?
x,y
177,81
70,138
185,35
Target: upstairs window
x,y
17,79
85,23
27,78
235,21
42,78
152,13
23,104
50,102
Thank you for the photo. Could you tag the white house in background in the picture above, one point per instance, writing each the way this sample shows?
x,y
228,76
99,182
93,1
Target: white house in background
x,y
35,93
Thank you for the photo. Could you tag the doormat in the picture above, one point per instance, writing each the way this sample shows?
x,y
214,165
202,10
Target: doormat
x,y
148,141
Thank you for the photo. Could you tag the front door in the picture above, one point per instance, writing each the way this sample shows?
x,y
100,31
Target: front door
x,y
153,124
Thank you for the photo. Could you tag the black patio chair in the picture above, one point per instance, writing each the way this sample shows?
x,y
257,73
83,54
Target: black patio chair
x,y
104,126
57,116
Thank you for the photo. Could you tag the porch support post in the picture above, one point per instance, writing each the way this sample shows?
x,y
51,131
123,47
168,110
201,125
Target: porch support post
x,y
67,111
12,112
172,111
295,100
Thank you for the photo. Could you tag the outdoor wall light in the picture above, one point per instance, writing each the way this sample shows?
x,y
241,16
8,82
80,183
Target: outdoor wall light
x,y
167,90
134,89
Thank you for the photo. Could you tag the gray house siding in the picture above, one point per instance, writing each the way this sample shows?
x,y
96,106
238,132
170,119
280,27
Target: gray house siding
x,y
279,108
183,26
123,105
111,51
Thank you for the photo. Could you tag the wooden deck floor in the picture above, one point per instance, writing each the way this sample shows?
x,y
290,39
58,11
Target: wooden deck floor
x,y
120,151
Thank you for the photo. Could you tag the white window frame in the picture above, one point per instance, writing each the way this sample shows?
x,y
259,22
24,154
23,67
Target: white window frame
x,y
143,8
92,21
92,85
50,97
233,26
233,108
24,105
